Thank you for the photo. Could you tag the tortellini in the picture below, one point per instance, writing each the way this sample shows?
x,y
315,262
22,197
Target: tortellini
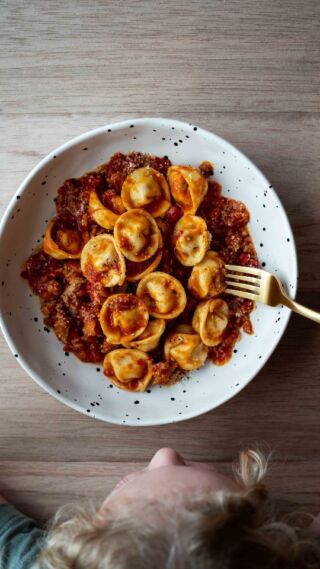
x,y
103,215
187,186
123,317
184,346
150,338
208,277
130,370
210,319
137,235
61,242
148,189
190,239
163,295
102,261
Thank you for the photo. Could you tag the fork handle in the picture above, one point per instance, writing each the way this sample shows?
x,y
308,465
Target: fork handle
x,y
300,309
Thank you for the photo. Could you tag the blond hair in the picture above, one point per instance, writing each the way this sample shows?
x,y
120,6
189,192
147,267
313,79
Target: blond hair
x,y
224,530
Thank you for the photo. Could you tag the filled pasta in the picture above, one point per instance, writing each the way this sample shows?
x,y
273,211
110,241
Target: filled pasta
x,y
148,189
184,346
210,320
102,261
208,277
128,369
123,317
163,295
190,239
188,187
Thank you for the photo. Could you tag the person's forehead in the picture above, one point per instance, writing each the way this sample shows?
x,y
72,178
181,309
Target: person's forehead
x,y
174,477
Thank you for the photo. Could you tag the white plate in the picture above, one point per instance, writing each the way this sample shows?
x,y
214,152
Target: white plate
x,y
83,386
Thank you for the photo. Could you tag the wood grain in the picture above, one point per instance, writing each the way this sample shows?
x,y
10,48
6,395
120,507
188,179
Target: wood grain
x,y
248,71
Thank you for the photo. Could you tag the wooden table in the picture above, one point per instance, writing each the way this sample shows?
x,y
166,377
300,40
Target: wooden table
x,y
246,70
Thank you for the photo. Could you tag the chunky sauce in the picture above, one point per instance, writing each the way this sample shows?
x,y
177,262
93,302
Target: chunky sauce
x,y
71,304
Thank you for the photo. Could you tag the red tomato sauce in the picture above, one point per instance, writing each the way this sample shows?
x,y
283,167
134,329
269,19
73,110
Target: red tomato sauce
x,y
71,304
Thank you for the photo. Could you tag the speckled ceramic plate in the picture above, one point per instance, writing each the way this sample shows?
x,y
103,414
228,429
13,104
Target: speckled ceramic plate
x,y
83,386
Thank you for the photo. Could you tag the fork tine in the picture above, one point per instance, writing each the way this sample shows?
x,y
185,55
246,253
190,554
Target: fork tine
x,y
243,278
241,293
244,286
238,269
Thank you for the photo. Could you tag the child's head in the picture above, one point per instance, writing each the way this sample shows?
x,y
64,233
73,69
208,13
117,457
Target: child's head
x,y
180,515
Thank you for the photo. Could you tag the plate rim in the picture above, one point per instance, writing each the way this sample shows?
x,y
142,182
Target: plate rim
x,y
84,137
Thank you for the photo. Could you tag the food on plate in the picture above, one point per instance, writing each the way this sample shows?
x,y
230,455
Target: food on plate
x,y
137,235
102,261
207,277
210,320
188,187
130,370
136,271
150,338
146,188
190,240
62,242
184,346
123,317
131,270
163,295
105,215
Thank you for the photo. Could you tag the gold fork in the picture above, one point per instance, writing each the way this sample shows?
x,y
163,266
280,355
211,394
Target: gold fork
x,y
258,285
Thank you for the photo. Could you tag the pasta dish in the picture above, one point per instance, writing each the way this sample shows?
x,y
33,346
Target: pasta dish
x,y
131,269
